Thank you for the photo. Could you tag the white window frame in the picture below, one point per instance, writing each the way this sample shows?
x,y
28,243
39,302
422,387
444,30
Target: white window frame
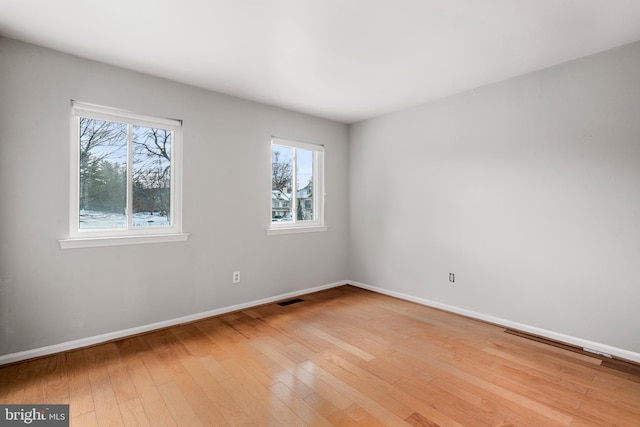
x,y
295,226
78,237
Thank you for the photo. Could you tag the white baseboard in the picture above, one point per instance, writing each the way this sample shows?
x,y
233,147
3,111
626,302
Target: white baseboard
x,y
579,342
89,341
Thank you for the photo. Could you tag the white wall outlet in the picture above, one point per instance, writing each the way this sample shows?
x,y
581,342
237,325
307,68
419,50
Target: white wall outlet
x,y
236,277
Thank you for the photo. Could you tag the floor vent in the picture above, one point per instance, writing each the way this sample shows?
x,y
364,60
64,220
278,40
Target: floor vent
x,y
628,367
547,341
291,301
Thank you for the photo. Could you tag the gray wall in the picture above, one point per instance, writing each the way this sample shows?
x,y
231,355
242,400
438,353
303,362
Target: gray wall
x,y
528,190
50,296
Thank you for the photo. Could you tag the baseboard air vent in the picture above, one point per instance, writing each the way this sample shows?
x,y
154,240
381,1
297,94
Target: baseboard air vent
x,y
599,353
292,301
607,360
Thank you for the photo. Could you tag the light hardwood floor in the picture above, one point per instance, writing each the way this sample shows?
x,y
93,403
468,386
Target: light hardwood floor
x,y
341,357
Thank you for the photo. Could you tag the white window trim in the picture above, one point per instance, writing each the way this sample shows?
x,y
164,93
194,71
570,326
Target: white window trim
x,y
79,238
318,183
94,242
296,229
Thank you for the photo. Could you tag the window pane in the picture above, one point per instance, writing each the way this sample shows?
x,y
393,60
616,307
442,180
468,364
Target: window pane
x,y
304,185
281,183
103,174
151,177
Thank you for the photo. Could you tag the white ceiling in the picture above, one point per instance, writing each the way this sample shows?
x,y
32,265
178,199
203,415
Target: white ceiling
x,y
346,60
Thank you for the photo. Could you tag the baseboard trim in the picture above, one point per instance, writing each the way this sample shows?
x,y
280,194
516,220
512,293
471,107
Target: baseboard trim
x,y
111,336
578,342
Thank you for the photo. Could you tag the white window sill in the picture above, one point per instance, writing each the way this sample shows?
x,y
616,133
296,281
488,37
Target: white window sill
x,y
93,242
295,230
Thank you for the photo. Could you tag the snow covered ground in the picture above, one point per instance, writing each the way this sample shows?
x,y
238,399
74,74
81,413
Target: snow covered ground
x,y
96,219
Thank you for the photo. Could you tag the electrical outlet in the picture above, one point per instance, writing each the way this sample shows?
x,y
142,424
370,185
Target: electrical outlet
x,y
236,277
452,277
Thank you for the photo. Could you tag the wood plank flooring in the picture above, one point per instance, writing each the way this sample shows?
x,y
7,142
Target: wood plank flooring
x,y
342,357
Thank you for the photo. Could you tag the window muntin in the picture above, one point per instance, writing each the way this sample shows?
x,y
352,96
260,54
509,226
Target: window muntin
x,y
125,174
297,178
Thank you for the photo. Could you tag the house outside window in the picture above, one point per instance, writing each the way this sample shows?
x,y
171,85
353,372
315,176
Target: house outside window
x,y
280,205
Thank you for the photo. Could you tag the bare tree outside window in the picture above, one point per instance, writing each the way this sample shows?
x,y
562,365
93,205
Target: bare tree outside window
x,y
281,183
151,171
103,173
281,170
103,170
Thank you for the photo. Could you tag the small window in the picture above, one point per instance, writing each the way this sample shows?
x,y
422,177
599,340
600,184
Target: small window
x,y
125,176
297,193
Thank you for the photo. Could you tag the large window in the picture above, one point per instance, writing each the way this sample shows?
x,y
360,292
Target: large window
x,y
125,178
297,193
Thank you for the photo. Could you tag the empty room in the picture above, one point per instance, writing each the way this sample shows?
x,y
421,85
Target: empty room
x,y
305,212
